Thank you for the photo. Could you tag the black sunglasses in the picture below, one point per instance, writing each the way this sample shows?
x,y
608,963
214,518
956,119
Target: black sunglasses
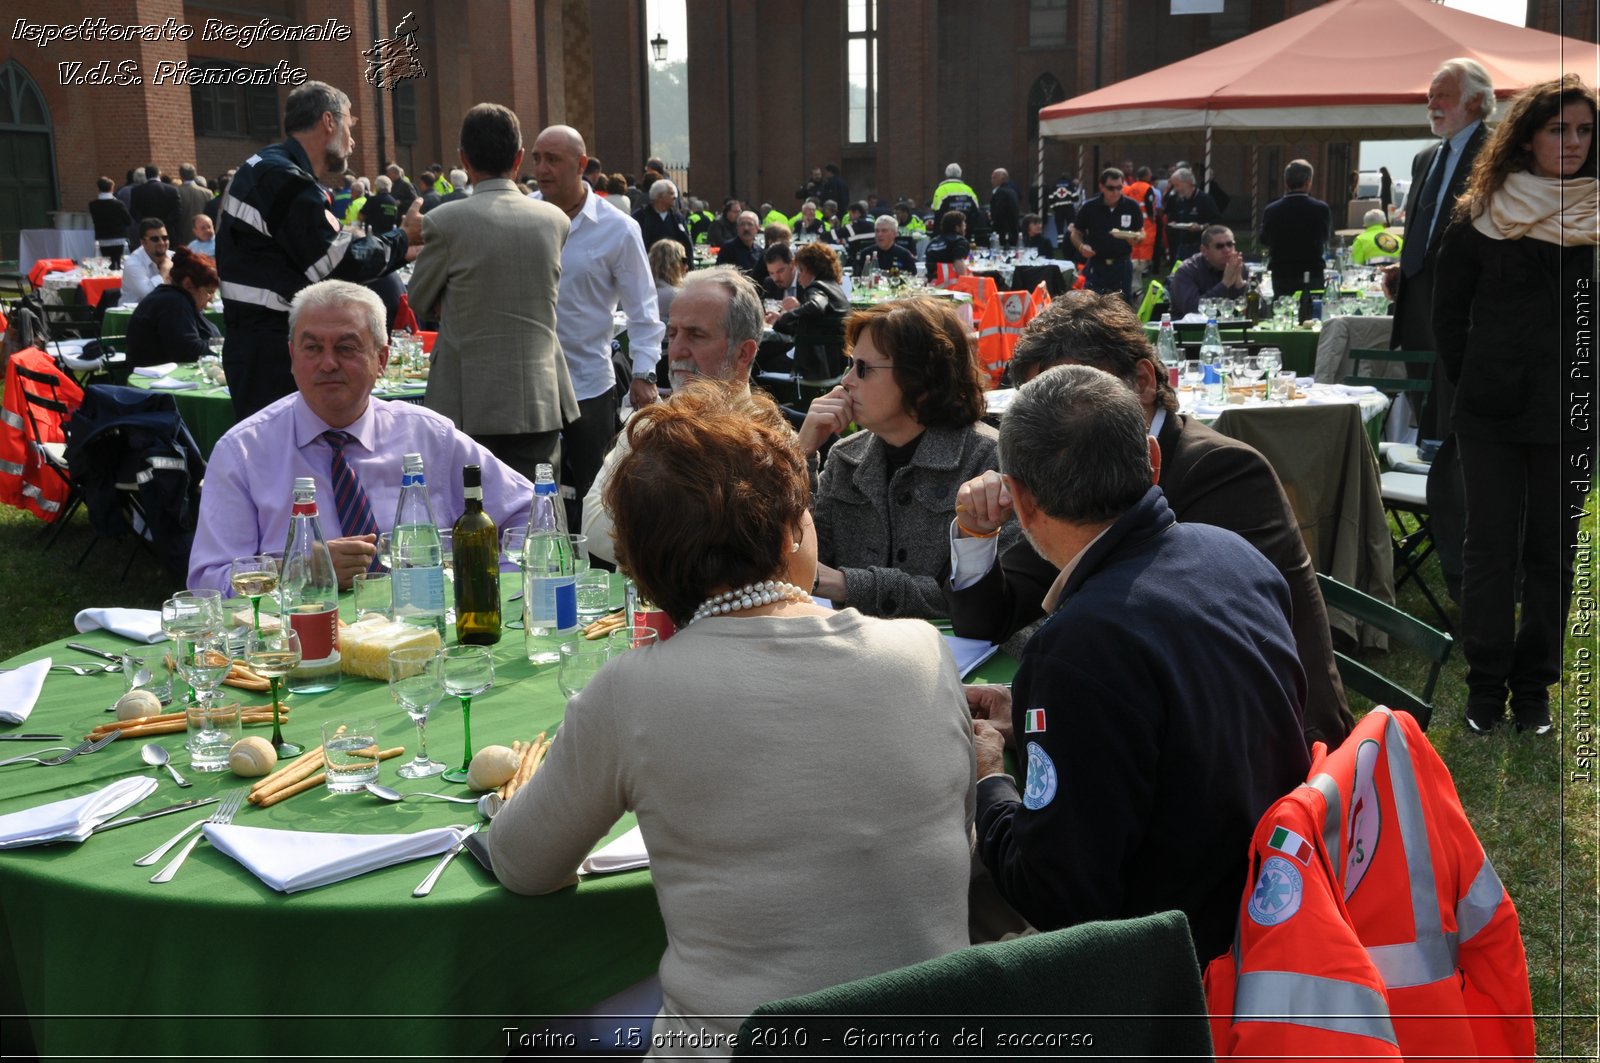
x,y
864,369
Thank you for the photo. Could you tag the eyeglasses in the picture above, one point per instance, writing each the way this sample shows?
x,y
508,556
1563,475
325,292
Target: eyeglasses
x,y
1112,188
1229,245
864,369
157,239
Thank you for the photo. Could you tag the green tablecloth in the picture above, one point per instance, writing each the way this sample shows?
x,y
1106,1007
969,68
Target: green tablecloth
x,y
105,963
1299,346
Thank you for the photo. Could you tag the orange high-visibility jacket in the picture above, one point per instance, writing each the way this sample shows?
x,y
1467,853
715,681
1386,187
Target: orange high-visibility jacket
x,y
24,480
1374,924
999,329
1139,192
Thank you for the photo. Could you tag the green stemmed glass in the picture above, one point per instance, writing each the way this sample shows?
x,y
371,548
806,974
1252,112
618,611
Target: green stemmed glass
x,y
275,654
254,577
468,670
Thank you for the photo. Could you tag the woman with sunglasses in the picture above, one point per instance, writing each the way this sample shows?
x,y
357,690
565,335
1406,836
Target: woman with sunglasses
x,y
887,494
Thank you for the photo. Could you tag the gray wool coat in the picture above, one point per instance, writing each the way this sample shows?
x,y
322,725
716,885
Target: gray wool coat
x,y
892,539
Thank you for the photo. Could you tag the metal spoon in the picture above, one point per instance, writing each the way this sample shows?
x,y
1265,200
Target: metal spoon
x,y
488,804
156,757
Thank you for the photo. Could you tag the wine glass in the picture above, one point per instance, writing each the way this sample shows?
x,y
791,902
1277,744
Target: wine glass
x,y
204,661
1271,360
385,550
254,577
467,670
417,683
447,561
275,654
580,660
1193,373
189,614
1250,367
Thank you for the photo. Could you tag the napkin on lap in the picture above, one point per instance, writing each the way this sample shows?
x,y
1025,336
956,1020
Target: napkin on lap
x,y
624,854
292,860
140,625
155,370
75,818
20,689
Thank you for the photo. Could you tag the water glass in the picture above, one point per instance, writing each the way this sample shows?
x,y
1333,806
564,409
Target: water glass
x,y
513,542
417,683
1193,373
213,729
1283,384
350,753
205,662
374,595
580,661
624,639
148,668
594,595
580,553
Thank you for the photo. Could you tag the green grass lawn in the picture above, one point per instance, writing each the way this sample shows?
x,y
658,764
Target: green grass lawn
x,y
1536,818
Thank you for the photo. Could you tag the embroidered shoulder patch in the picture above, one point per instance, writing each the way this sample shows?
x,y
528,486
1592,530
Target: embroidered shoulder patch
x,y
1277,893
1041,785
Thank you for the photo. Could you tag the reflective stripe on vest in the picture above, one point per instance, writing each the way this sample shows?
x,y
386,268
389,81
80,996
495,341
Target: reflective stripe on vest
x,y
11,468
1332,819
12,418
37,495
330,261
1477,908
238,208
1307,1000
246,293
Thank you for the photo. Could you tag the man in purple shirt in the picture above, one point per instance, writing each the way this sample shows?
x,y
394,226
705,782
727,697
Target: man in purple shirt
x,y
337,353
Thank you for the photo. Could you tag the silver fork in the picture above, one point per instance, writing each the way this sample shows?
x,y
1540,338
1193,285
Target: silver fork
x,y
88,745
224,814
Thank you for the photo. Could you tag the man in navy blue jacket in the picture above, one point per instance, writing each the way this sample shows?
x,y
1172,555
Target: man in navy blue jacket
x,y
1158,709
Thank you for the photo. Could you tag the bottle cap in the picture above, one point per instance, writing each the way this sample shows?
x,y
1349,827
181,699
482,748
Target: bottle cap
x,y
471,476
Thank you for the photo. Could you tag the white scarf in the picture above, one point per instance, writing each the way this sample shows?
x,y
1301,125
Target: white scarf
x,y
1560,211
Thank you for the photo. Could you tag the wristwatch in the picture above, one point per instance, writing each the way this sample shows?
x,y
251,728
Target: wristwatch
x,y
648,378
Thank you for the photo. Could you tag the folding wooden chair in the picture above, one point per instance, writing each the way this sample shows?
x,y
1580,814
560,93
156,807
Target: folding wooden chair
x,y
1380,689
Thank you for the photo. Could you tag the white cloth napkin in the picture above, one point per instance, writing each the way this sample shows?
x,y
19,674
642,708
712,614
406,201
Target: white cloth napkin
x,y
172,383
292,860
76,817
155,370
140,625
1330,398
1210,409
624,854
1355,389
20,689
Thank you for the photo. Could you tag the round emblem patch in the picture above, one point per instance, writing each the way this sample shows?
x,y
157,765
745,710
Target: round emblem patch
x,y
1277,893
1041,787
1386,242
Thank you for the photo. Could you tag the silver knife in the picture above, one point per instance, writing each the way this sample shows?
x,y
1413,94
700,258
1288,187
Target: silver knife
x,y
182,806
81,648
30,738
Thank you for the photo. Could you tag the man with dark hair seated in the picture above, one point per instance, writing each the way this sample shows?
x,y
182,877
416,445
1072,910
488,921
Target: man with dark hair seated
x,y
950,247
1216,271
1157,711
1207,478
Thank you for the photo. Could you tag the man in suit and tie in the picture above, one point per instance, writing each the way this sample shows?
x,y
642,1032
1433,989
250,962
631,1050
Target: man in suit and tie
x,y
1460,98
490,271
1295,230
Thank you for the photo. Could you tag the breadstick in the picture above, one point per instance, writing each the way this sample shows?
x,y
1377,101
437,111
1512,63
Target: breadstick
x,y
311,783
249,712
307,763
502,789
169,727
603,628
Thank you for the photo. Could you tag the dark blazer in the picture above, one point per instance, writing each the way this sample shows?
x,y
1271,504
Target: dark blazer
x,y
111,218
1208,479
1504,327
748,259
1295,230
1168,696
1420,165
167,327
653,227
157,199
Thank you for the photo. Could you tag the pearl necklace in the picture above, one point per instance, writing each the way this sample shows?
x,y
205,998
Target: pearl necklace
x,y
750,596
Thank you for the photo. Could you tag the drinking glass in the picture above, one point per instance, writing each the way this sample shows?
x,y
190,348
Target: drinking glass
x,y
349,754
374,594
254,577
514,540
1251,368
417,682
594,595
204,661
189,614
275,654
467,670
580,554
580,660
213,729
624,639
447,561
1193,373
384,547
1271,360
1283,384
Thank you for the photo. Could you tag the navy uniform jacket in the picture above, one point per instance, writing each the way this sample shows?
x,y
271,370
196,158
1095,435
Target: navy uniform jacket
x,y
1295,231
1170,696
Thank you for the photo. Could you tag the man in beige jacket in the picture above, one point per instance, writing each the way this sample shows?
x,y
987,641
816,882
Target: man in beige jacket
x,y
490,271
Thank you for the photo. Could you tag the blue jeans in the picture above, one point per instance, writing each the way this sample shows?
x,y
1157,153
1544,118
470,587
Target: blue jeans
x,y
1113,278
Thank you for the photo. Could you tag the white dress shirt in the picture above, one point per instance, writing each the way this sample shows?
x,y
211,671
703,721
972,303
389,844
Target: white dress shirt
x,y
140,277
603,264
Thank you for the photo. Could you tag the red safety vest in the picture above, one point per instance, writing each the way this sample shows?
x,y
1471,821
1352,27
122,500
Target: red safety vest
x,y
1374,924
24,480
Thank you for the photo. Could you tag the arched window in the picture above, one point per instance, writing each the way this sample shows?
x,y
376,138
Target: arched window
x,y
22,106
1047,89
27,158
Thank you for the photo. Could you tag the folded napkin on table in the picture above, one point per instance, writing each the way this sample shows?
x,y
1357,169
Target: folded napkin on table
x,y
75,818
1330,398
172,383
20,689
140,625
292,860
1356,389
624,854
155,370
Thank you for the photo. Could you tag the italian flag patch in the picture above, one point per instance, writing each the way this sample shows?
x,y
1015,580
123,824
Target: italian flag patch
x,y
1033,722
1287,841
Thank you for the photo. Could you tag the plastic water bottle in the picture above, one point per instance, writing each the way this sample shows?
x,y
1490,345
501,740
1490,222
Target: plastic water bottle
x,y
549,575
416,555
1167,348
310,589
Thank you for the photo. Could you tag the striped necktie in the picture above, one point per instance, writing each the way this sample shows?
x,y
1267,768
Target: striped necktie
x,y
349,497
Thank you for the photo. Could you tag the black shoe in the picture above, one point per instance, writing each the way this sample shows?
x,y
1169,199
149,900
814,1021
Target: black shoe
x,y
1533,716
1484,713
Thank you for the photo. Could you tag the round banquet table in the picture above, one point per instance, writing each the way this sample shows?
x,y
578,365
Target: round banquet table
x,y
104,963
